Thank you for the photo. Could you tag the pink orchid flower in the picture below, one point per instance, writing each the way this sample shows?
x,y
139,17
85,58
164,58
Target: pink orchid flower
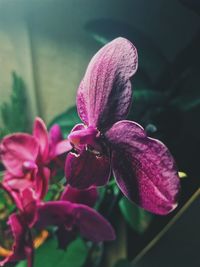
x,y
27,157
20,224
106,143
72,215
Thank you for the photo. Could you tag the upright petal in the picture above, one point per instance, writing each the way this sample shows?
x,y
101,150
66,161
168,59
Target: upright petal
x,y
55,134
144,168
16,149
88,196
104,95
58,146
41,134
92,225
87,169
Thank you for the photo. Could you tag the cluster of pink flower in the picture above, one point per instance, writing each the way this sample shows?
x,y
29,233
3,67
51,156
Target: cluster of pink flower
x,y
30,162
104,144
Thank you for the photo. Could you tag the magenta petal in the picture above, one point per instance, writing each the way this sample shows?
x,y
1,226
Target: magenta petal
x,y
16,149
92,225
18,184
88,196
55,134
13,194
55,213
61,148
87,169
41,134
42,181
22,247
104,95
144,168
75,217
29,203
58,146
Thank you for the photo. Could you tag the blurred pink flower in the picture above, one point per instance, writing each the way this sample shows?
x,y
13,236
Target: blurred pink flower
x,y
27,157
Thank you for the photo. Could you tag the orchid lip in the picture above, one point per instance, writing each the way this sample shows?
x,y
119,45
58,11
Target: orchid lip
x,y
84,136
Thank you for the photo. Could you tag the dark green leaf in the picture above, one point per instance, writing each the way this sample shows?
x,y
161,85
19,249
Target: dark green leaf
x,y
49,255
145,103
136,217
66,120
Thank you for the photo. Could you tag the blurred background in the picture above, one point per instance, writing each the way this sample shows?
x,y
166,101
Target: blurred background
x,y
45,47
49,43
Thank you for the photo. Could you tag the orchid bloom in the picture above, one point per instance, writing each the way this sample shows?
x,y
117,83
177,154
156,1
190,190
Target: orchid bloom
x,y
143,167
72,216
26,157
20,224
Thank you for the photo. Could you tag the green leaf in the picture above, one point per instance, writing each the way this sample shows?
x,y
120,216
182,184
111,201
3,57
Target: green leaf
x,y
49,255
66,120
135,216
14,113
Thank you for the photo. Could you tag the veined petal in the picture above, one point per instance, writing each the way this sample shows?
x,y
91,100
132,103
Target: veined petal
x,y
92,225
87,169
88,196
144,168
16,149
41,134
104,95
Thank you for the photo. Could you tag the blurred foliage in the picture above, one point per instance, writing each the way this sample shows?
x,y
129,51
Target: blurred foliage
x,y
135,216
15,113
49,255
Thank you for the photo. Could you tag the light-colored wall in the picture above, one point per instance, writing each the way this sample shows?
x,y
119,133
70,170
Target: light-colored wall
x,y
45,42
